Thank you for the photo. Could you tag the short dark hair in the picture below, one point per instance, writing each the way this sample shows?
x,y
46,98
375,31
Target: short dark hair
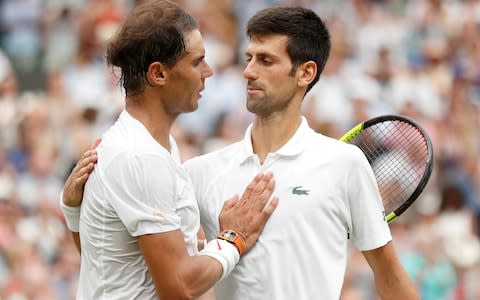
x,y
154,31
308,37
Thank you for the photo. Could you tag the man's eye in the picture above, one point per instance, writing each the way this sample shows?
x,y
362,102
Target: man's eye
x,y
198,61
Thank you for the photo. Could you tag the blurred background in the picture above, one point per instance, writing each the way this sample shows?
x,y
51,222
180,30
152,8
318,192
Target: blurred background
x,y
419,58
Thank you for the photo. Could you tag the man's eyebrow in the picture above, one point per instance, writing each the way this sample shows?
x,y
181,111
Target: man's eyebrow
x,y
261,54
198,57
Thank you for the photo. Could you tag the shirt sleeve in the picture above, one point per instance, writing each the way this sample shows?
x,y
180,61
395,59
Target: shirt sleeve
x,y
143,188
369,227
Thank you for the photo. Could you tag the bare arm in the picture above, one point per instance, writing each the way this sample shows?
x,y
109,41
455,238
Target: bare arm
x,y
391,280
209,295
188,276
192,276
73,188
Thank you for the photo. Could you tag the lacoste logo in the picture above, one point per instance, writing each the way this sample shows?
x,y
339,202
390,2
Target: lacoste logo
x,y
299,191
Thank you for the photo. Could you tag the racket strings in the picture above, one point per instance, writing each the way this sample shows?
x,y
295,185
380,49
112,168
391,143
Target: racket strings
x,y
398,154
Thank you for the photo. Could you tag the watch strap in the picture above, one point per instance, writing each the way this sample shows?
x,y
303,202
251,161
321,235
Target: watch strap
x,y
234,238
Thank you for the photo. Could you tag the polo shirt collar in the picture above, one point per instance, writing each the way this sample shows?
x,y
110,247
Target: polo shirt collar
x,y
297,143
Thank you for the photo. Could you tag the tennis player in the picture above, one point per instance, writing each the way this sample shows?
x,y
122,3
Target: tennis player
x,y
328,190
139,219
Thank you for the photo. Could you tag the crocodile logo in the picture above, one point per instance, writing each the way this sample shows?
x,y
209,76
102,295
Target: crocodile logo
x,y
299,191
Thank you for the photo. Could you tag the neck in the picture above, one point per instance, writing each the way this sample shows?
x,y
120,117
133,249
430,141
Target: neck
x,y
271,133
149,111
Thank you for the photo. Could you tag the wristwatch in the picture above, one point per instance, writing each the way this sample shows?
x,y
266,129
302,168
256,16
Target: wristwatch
x,y
233,237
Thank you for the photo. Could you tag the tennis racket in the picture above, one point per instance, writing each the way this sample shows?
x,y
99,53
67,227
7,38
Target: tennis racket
x,y
401,155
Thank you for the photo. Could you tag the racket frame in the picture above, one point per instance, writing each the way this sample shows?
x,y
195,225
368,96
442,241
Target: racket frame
x,y
429,163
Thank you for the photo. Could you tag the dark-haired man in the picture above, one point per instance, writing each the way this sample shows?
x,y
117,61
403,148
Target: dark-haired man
x,y
328,190
139,219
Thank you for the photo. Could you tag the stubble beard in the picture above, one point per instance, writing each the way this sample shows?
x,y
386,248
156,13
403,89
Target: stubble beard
x,y
259,107
264,106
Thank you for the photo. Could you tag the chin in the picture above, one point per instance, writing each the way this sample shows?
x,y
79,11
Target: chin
x,y
259,110
192,108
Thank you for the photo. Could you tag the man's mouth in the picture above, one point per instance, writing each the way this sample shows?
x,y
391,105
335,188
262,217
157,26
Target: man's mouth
x,y
253,89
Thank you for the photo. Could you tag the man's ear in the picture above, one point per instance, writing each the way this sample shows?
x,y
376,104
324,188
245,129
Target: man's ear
x,y
307,72
156,74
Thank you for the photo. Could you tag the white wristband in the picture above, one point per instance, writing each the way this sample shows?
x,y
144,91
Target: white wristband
x,y
72,215
224,252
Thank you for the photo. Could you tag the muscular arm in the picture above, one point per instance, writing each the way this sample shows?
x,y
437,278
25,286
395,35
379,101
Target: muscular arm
x,y
391,280
177,275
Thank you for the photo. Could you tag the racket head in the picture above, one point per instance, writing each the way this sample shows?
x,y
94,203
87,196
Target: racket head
x,y
401,155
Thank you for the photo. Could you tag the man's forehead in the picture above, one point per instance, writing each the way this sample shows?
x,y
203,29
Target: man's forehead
x,y
194,41
268,43
194,48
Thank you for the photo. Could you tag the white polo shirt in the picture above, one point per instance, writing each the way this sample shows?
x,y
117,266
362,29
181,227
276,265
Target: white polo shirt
x,y
137,188
327,193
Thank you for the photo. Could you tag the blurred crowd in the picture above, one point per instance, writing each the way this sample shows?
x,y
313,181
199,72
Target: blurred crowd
x,y
419,58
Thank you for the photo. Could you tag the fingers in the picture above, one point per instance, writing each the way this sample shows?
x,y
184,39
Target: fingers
x,y
258,199
88,157
258,223
230,203
248,215
92,153
81,176
263,183
251,186
258,191
96,143
262,218
270,207
79,181
73,187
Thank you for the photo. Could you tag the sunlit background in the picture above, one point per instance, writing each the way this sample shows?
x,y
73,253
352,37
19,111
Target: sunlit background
x,y
418,58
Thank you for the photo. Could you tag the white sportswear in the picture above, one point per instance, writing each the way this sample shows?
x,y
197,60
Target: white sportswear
x,y
137,188
328,194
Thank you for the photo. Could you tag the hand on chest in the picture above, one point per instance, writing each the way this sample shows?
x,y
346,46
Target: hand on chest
x,y
305,194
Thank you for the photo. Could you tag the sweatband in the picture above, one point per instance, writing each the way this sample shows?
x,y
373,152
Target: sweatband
x,y
224,252
72,215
